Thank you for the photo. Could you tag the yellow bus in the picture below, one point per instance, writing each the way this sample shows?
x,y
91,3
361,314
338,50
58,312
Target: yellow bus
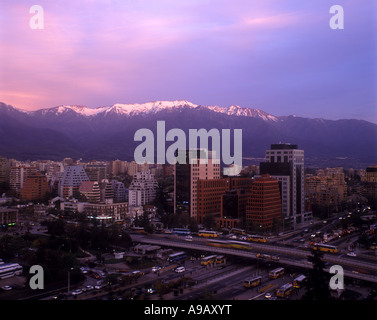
x,y
266,257
276,273
218,243
207,234
299,281
238,231
325,248
256,238
219,259
239,245
285,290
252,282
208,260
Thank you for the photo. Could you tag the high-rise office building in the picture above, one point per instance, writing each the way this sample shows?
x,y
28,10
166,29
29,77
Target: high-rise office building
x,y
285,162
209,193
186,176
17,177
4,170
224,199
263,208
34,187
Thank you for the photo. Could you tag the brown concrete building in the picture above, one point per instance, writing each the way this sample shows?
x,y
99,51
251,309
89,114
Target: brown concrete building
x,y
233,208
209,197
34,188
264,209
224,198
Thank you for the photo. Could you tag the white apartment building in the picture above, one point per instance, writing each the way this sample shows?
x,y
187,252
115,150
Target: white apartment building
x,y
142,189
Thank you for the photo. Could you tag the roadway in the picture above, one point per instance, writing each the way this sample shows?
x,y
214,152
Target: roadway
x,y
354,267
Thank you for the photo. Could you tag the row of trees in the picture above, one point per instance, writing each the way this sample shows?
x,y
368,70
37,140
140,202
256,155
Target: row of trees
x,y
82,235
40,250
58,253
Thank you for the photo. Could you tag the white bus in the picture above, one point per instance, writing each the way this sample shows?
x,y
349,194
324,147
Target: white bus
x,y
8,270
175,257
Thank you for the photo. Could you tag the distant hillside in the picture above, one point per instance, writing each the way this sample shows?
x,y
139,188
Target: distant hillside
x,y
106,133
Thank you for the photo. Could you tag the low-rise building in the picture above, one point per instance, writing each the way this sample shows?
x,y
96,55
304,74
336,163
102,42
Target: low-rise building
x,y
8,217
73,205
107,211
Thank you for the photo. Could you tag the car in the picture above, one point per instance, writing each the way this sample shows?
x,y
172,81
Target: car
x,y
88,288
188,238
351,254
151,291
267,295
180,269
100,284
84,270
95,275
76,292
6,288
156,268
59,296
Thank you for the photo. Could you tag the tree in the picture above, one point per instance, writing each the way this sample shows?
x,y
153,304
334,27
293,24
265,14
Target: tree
x,y
56,228
317,285
209,221
193,225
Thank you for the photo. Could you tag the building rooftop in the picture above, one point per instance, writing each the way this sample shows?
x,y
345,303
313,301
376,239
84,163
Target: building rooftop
x,y
285,146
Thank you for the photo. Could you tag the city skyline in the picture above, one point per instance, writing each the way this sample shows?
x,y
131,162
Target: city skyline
x,y
98,53
223,235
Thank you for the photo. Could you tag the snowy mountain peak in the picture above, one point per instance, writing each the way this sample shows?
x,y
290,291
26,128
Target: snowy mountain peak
x,y
153,107
149,107
81,110
235,110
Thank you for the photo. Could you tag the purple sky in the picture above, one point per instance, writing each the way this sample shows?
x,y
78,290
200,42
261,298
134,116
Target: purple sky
x,y
280,56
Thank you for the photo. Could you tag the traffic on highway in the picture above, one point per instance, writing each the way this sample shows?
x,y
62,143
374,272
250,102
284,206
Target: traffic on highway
x,y
180,265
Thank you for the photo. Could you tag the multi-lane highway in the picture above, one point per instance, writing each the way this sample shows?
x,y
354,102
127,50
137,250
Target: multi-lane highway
x,y
354,267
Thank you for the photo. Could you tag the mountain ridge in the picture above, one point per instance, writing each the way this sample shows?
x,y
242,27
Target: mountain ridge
x,y
152,107
159,105
106,133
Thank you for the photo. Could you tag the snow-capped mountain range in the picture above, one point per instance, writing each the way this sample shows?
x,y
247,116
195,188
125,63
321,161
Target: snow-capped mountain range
x,y
107,132
153,108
